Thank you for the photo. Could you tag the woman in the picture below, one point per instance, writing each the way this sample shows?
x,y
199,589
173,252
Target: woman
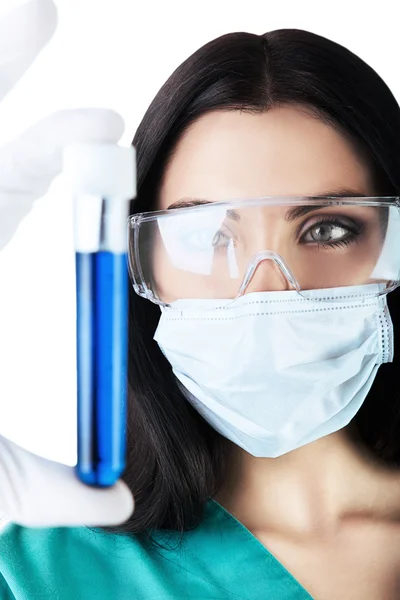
x,y
263,444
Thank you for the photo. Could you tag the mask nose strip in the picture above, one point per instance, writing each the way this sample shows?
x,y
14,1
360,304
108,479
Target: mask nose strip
x,y
277,260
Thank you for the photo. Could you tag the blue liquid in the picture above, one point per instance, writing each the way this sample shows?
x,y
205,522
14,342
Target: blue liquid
x,y
102,348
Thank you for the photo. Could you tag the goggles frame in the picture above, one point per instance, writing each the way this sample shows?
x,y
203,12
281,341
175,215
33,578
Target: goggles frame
x,y
135,221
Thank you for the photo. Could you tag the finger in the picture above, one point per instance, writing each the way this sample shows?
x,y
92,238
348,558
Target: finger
x,y
29,163
24,31
36,492
36,155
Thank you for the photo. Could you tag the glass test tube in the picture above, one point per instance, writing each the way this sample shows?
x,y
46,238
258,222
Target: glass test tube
x,y
102,178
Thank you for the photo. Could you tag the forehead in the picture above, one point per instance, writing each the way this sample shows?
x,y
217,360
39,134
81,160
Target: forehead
x,y
284,151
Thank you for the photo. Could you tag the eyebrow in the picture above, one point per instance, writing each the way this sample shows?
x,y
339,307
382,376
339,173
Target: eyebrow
x,y
299,211
292,214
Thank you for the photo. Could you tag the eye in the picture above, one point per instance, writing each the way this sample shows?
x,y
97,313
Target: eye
x,y
332,231
325,232
221,240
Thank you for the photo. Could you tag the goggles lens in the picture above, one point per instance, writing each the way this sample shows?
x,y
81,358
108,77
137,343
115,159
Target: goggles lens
x,y
220,250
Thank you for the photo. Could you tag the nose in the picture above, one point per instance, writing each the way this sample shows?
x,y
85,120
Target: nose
x,y
267,277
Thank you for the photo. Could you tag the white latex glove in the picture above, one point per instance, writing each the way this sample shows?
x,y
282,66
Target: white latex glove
x,y
34,491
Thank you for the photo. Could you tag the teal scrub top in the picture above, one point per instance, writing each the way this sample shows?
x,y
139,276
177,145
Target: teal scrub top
x,y
219,560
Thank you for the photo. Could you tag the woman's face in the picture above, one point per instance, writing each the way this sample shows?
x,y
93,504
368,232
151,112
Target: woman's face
x,y
283,152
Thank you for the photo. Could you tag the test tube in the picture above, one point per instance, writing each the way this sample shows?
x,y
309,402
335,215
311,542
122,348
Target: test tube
x,y
102,181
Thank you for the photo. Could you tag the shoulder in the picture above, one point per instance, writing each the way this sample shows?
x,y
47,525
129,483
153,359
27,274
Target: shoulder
x,y
80,562
73,562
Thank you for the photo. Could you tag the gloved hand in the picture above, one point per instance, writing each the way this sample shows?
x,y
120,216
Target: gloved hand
x,y
34,491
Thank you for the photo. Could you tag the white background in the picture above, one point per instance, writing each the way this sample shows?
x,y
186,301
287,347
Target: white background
x,y
117,54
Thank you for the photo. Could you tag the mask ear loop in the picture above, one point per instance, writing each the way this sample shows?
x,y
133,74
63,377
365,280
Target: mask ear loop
x,y
278,260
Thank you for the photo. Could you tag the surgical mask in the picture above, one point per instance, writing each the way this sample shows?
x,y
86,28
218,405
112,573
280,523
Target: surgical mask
x,y
273,371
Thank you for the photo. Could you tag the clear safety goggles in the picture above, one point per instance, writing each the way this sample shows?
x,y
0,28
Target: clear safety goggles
x,y
225,249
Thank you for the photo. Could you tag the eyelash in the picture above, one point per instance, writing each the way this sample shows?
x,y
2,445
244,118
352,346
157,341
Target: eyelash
x,y
218,248
351,237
